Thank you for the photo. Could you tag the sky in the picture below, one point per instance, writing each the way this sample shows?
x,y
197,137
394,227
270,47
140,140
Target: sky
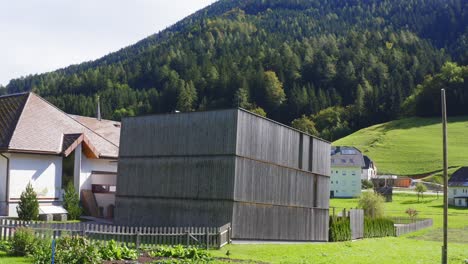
x,y
39,36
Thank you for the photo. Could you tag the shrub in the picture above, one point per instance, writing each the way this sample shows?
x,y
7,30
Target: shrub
x,y
378,227
42,251
366,184
373,204
112,251
76,250
28,207
23,242
71,202
412,213
5,245
340,229
180,252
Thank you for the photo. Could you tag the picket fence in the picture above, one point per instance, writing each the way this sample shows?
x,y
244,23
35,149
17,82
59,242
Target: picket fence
x,y
409,225
209,237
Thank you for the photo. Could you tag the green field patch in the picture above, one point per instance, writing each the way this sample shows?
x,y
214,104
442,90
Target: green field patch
x,y
412,146
454,235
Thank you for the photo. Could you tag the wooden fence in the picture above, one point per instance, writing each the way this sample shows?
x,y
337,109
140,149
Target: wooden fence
x,y
209,237
407,225
356,219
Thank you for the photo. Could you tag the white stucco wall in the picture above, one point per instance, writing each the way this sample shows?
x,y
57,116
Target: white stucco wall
x,y
457,192
43,171
345,181
3,185
90,165
86,179
368,174
461,202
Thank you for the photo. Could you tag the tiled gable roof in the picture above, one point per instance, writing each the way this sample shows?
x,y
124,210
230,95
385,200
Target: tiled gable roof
x,y
346,157
459,178
10,111
41,127
107,128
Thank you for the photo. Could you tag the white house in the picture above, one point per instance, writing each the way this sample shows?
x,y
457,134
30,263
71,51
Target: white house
x,y
458,188
42,145
369,170
346,169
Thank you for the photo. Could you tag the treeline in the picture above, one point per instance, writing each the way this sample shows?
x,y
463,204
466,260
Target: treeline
x,y
338,65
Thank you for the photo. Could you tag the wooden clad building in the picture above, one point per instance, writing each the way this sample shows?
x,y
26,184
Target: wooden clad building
x,y
229,166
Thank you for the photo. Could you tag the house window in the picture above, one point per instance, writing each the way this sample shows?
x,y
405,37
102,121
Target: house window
x,y
332,182
454,191
103,188
353,173
344,173
336,182
459,202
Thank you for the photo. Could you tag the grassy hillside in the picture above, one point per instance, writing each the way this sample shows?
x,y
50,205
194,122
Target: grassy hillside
x,y
412,146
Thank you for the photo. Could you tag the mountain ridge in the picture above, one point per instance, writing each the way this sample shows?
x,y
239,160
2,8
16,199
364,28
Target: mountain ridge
x,y
290,58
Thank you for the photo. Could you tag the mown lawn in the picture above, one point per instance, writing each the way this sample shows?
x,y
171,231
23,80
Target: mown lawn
x,y
420,247
411,146
4,259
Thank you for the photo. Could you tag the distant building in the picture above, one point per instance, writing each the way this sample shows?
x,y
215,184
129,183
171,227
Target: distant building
x,y
207,169
369,170
458,188
42,145
346,170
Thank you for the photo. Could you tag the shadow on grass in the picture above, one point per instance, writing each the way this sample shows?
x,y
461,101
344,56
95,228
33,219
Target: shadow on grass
x,y
454,235
451,207
422,201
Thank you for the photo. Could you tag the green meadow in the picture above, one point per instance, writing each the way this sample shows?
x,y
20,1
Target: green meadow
x,y
420,247
412,146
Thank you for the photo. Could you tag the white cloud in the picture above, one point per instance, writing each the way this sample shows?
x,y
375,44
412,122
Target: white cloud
x,y
43,35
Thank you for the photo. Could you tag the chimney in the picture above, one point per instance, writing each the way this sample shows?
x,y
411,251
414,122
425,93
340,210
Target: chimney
x,y
98,109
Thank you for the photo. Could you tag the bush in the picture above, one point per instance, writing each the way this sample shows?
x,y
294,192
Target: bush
x,y
366,184
28,207
71,202
5,246
373,204
378,227
112,251
412,213
340,229
23,242
180,252
76,250
42,251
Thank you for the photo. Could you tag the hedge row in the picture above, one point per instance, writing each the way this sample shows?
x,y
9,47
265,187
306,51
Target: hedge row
x,y
378,227
340,229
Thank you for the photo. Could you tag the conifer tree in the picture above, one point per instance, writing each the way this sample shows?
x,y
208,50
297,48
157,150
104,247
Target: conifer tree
x,y
28,207
71,202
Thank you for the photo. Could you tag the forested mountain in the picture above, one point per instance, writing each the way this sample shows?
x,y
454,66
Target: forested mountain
x,y
340,65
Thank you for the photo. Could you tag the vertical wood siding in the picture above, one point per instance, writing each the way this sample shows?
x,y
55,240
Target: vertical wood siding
x,y
156,212
211,168
201,133
268,184
181,177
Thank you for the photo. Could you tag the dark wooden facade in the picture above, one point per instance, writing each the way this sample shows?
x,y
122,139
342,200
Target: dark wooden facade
x,y
230,166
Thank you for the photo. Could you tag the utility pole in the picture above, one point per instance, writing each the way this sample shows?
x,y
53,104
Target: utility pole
x,y
444,135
